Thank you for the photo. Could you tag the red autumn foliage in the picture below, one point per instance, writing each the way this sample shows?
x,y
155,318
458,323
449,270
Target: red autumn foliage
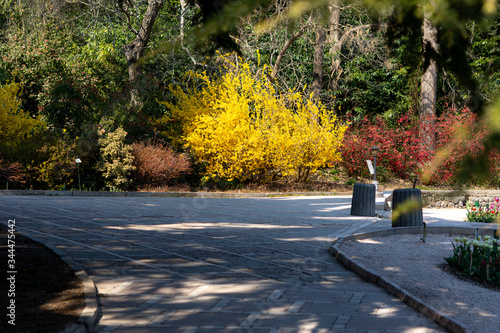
x,y
404,150
13,173
157,164
460,135
401,149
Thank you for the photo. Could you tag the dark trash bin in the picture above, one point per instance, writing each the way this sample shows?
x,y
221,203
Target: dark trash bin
x,y
363,200
413,217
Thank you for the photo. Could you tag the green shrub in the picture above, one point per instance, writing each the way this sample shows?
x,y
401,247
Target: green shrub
x,y
116,160
58,168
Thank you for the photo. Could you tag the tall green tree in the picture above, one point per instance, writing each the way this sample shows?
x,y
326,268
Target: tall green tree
x,y
135,49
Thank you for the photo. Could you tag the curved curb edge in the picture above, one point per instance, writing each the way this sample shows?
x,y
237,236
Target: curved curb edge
x,y
90,313
393,289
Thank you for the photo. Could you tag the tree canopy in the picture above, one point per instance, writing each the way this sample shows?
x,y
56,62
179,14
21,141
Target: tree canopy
x,y
93,65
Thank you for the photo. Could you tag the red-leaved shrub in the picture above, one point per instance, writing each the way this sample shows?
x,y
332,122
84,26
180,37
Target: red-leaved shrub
x,y
12,172
401,150
157,164
458,135
405,151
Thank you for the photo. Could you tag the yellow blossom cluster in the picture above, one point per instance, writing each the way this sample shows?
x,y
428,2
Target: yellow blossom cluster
x,y
241,128
16,125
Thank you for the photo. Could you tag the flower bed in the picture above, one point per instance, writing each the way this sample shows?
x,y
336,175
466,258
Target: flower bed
x,y
483,213
477,257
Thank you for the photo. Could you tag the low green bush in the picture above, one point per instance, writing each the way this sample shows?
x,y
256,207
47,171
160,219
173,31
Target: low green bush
x,y
477,257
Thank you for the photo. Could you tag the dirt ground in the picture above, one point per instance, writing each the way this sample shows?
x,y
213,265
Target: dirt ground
x,y
320,182
48,295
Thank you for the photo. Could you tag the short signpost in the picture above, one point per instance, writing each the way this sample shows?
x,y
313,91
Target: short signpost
x,y
363,196
78,161
375,150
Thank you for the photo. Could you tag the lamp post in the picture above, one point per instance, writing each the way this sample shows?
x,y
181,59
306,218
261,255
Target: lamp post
x,y
375,151
78,161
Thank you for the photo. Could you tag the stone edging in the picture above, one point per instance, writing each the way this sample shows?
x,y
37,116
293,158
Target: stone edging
x,y
458,198
90,313
393,289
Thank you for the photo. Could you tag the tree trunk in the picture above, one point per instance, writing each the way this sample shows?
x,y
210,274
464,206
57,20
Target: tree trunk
x,y
428,85
135,49
333,40
334,21
319,51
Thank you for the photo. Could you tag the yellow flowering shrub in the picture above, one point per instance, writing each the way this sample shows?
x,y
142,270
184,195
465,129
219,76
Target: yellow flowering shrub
x,y
240,127
16,126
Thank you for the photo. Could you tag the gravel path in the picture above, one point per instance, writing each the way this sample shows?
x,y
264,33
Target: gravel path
x,y
413,265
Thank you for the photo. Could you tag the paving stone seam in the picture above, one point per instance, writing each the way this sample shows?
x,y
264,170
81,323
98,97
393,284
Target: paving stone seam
x,y
155,299
274,329
90,313
245,299
151,248
168,312
110,328
250,319
220,305
296,306
162,317
182,256
276,294
113,254
272,240
450,324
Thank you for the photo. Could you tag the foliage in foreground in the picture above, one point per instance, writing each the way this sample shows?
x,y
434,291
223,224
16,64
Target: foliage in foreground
x,y
479,258
241,128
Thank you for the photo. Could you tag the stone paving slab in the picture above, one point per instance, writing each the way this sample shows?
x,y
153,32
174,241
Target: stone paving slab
x,y
173,264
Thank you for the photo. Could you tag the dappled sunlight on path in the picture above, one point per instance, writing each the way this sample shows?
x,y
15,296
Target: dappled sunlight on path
x,y
261,264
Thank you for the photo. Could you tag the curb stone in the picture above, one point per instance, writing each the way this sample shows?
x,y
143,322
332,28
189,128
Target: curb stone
x,y
90,313
450,324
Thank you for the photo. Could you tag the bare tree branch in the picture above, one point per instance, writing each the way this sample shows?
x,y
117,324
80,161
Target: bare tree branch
x,y
125,11
286,46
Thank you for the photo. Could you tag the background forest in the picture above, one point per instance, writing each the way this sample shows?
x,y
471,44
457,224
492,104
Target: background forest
x,y
222,94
